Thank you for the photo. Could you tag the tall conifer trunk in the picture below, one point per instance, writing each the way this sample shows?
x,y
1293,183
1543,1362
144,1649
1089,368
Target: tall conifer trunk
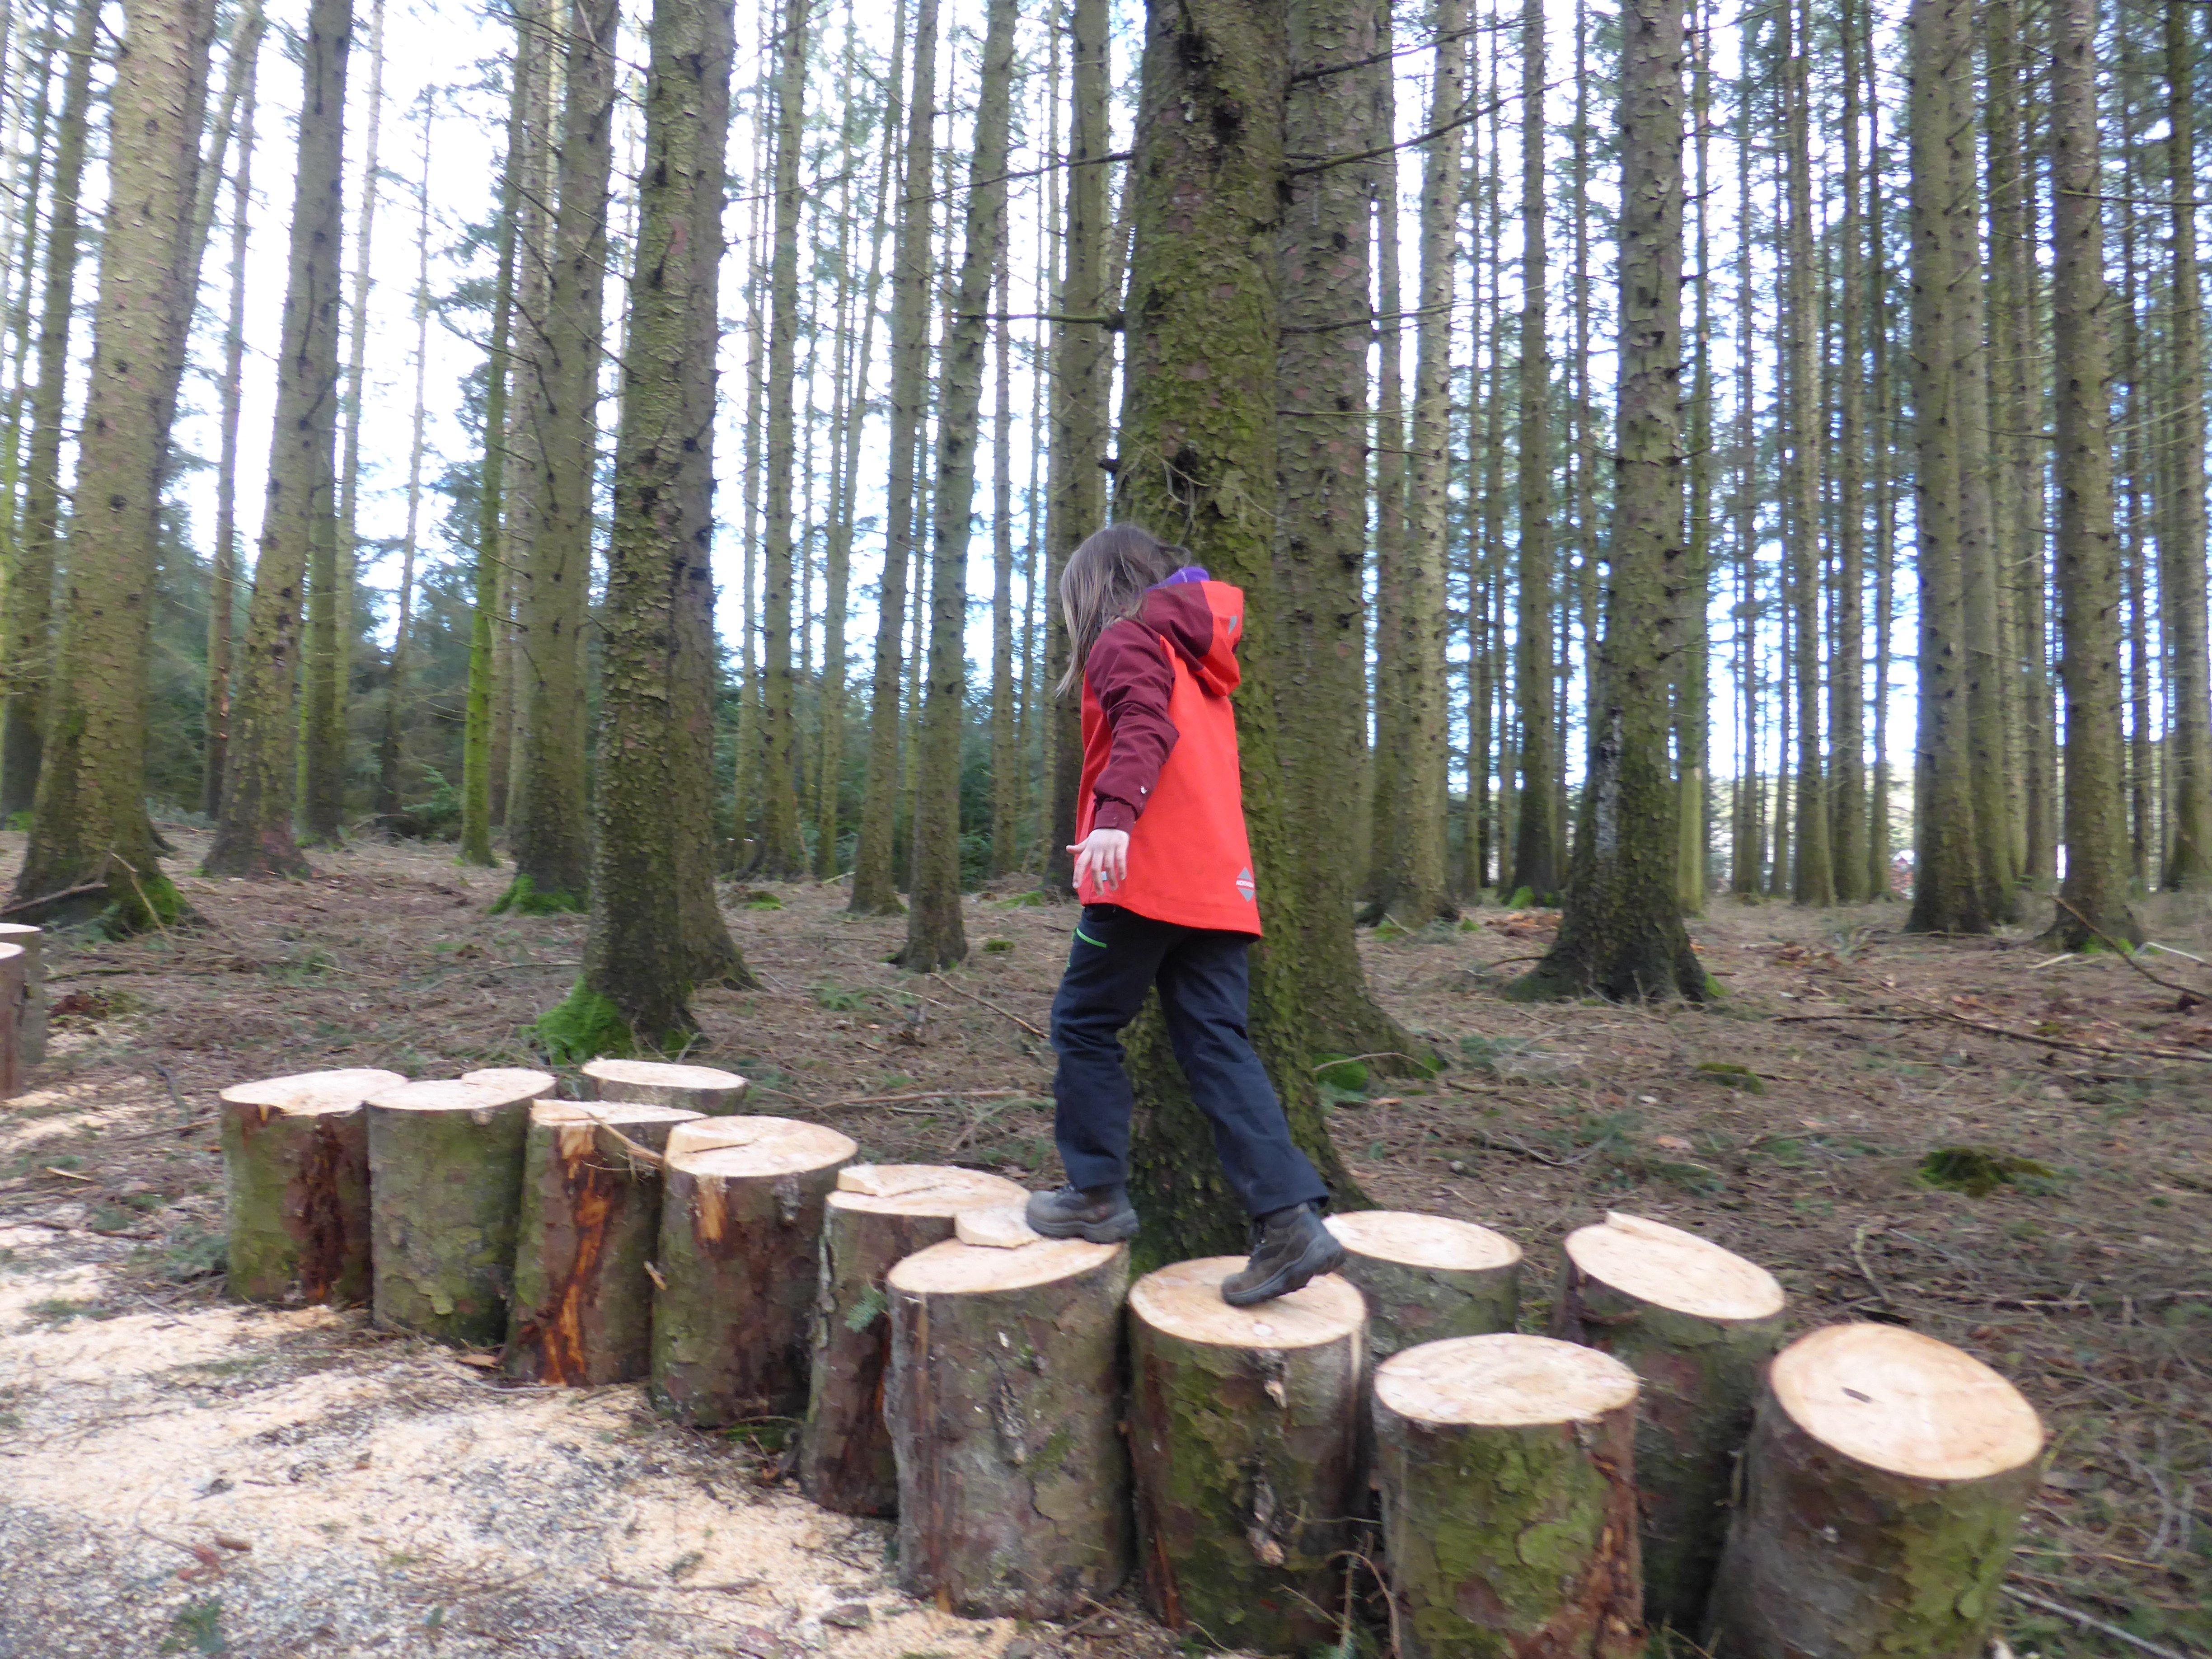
x,y
89,827
1813,879
1620,931
1847,700
1536,857
2094,895
1006,766
389,742
253,837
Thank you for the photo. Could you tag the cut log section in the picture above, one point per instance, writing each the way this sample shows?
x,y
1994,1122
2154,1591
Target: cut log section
x,y
880,1214
1243,1430
1001,1227
589,1224
445,1166
1697,1325
14,978
1004,1407
540,1084
296,1185
1883,1488
1507,1465
701,1089
740,1235
31,1002
1427,1277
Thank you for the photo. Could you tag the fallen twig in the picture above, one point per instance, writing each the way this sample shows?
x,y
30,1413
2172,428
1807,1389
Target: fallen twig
x,y
66,1175
2090,1621
1858,1255
993,1007
2128,957
78,892
924,1094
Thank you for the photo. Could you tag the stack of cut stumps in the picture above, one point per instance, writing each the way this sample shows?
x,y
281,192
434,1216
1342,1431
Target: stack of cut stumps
x,y
1041,1427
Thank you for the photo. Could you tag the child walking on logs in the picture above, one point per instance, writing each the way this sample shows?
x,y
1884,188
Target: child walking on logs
x,y
1164,870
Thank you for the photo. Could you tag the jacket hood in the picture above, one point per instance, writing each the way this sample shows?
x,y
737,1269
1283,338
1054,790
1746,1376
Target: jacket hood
x,y
1204,620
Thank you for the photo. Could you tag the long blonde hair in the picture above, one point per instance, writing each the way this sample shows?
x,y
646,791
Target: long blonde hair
x,y
1105,580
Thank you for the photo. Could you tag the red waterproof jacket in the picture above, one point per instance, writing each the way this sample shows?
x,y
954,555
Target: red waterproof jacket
x,y
1159,757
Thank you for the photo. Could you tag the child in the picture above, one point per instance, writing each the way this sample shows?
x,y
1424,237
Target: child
x,y
1165,872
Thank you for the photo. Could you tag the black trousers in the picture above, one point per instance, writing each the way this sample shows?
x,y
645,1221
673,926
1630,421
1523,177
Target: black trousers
x,y
1205,987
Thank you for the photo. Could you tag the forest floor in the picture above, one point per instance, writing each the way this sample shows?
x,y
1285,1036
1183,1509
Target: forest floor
x,y
185,1475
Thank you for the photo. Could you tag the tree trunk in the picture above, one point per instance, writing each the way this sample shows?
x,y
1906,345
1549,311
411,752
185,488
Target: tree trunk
x,y
1507,1465
740,1233
1693,695
2181,544
1814,878
1947,888
328,657
2094,896
253,837
1321,477
880,1215
389,745
445,1169
875,889
935,938
1427,1277
1847,803
89,823
639,962
703,1090
1620,933
589,1226
1005,763
295,1187
1697,1325
1243,1432
28,640
478,762
1885,495
1880,1524
548,804
1381,772
1198,422
1004,1410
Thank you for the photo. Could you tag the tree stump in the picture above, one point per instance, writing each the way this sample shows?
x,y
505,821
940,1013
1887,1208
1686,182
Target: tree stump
x,y
1427,1277
1004,1407
880,1215
1244,1434
31,1002
445,1165
1507,1465
699,1089
541,1084
296,1185
740,1233
1883,1488
14,978
1697,1325
591,1220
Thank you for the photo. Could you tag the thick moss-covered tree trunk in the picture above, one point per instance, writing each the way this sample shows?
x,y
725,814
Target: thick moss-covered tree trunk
x,y
548,808
880,1215
296,1185
1244,1434
589,1225
89,828
1620,932
740,1233
1880,1493
445,1165
1507,1536
2094,891
1004,1409
254,836
1427,1278
1198,454
1697,1326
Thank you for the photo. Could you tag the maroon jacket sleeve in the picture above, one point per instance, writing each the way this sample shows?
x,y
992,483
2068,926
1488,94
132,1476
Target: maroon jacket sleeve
x,y
1129,674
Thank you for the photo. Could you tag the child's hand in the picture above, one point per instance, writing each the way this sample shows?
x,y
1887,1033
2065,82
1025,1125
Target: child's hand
x,y
1104,854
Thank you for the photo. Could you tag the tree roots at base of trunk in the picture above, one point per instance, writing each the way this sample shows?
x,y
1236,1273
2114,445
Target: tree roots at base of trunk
x,y
522,898
588,1026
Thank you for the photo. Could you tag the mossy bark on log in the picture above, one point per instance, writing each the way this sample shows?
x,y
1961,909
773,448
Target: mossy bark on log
x,y
1427,1277
1697,1325
445,1164
582,1312
740,1235
539,1084
1243,1437
880,1215
701,1089
1005,1411
1507,1465
1882,1489
31,1002
296,1185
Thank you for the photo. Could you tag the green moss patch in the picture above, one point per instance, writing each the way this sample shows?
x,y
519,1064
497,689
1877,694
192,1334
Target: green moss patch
x,y
585,1027
1977,1173
522,898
